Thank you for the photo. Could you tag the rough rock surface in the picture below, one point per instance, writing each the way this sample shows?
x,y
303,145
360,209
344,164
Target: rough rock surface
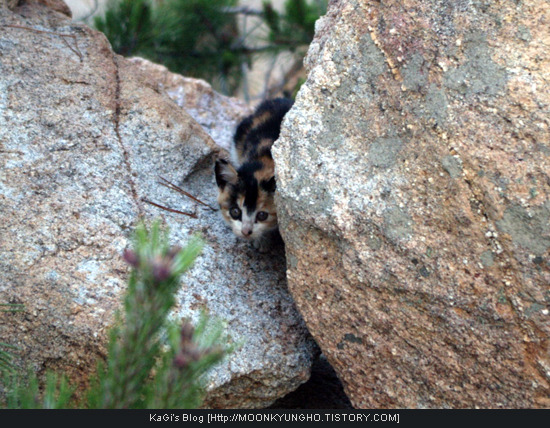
x,y
217,114
413,178
83,138
57,5
8,3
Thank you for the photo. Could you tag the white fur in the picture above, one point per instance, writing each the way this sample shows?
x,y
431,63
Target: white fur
x,y
234,157
259,229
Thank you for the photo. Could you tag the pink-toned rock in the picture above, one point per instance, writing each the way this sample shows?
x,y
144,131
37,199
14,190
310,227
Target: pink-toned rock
x,y
57,5
414,181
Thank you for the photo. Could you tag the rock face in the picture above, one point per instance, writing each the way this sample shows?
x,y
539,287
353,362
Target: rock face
x,y
8,3
57,5
84,137
413,179
217,114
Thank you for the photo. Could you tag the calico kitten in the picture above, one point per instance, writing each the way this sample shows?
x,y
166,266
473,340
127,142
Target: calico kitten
x,y
247,184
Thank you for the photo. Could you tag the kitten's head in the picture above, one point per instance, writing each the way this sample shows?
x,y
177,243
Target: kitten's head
x,y
246,198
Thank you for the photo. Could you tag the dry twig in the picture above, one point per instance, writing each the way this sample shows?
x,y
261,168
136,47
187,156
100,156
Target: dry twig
x,y
193,215
172,186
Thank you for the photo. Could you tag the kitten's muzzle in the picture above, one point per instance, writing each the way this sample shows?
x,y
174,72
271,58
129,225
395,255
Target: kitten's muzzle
x,y
246,232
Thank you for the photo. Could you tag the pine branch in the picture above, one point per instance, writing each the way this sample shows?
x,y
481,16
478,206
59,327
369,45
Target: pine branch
x,y
151,361
243,10
201,38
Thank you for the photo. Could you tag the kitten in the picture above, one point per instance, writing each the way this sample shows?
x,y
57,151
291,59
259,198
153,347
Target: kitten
x,y
247,184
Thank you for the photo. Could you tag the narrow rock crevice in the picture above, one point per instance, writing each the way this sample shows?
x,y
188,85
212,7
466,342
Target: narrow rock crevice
x,y
125,152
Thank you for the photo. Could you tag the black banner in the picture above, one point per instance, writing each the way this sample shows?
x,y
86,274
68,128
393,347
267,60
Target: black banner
x,y
228,418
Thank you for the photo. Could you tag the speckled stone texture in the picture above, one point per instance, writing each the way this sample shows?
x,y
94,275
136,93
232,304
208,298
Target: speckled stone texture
x,y
217,114
84,136
57,5
413,179
8,3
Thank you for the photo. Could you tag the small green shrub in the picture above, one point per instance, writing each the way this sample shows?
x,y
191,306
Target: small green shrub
x,y
152,362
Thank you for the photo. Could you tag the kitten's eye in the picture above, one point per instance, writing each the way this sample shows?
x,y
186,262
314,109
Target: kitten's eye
x,y
235,213
261,216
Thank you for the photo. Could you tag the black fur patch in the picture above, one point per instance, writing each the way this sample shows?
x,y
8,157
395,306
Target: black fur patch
x,y
268,185
220,181
249,184
249,139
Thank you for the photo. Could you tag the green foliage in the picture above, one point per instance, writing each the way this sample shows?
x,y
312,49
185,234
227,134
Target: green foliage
x,y
6,358
191,37
128,25
295,27
176,383
197,38
272,18
57,392
151,362
202,38
11,307
299,84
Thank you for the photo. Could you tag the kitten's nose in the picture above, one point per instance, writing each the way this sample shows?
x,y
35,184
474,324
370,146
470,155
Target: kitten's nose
x,y
246,231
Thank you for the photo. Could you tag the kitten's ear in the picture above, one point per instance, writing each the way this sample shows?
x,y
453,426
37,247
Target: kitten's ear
x,y
225,173
269,185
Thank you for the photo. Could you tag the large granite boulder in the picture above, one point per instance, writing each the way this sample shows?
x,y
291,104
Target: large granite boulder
x,y
84,137
414,180
217,114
